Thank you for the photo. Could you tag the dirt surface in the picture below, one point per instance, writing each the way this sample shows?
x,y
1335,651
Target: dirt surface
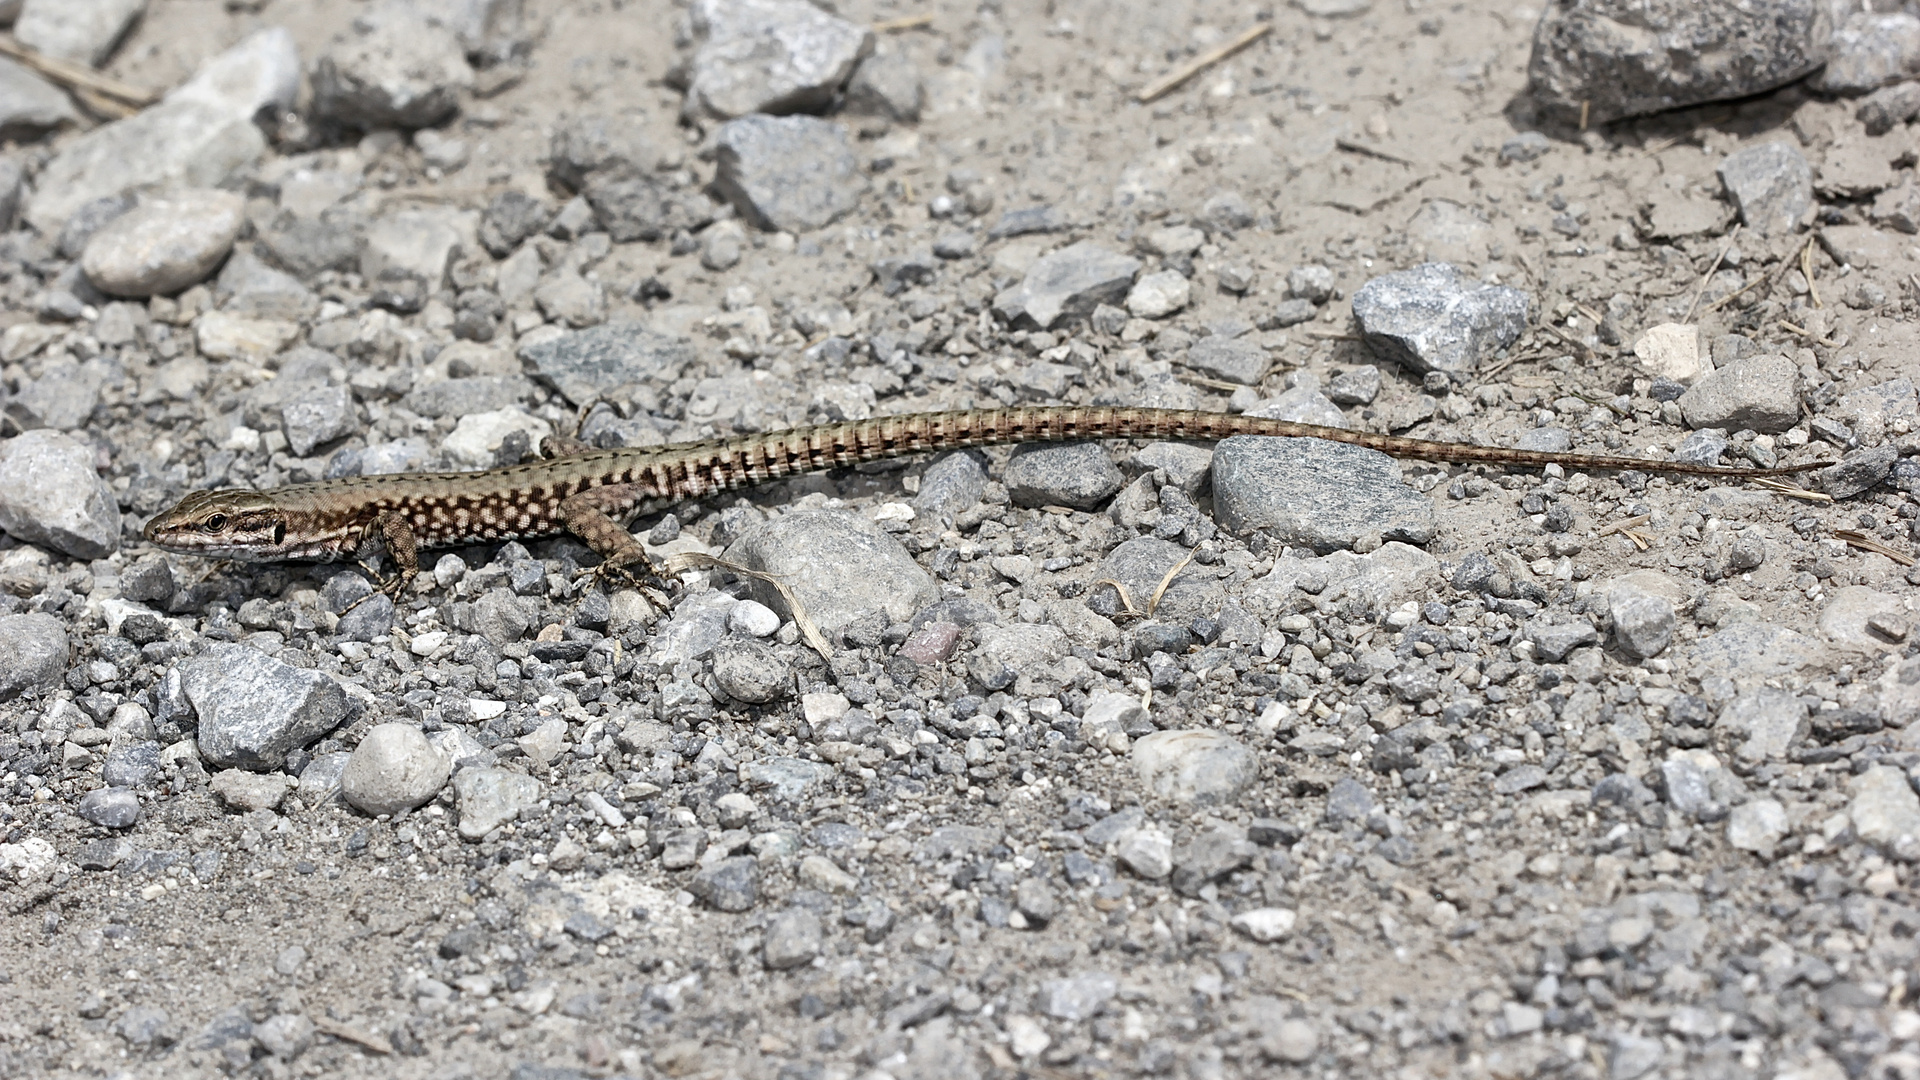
x,y
1441,911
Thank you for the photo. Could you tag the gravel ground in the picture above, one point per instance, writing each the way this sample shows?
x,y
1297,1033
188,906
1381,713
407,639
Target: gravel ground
x,y
1128,758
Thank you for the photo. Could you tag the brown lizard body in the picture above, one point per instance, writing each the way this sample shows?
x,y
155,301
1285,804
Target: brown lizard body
x,y
587,494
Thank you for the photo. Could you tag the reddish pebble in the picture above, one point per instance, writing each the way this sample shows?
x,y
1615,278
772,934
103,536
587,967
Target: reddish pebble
x,y
932,643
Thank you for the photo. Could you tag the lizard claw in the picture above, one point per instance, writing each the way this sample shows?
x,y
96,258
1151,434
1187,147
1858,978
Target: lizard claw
x,y
389,587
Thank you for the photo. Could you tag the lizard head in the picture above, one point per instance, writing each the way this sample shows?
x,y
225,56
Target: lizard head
x,y
227,524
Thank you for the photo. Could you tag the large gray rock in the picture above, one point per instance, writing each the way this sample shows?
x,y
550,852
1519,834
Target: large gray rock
x,y
1434,318
1869,50
1606,59
794,173
840,565
33,653
201,133
769,56
1080,475
1771,183
51,495
254,709
165,244
83,31
1318,494
1884,808
1760,392
395,68
609,362
1067,285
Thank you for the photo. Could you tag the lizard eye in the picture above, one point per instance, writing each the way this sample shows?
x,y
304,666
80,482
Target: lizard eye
x,y
215,523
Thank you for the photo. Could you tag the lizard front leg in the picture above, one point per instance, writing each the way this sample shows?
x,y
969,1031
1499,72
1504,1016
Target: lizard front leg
x,y
397,537
621,556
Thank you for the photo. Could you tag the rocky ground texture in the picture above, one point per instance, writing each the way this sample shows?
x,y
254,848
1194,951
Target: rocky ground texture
x,y
1128,758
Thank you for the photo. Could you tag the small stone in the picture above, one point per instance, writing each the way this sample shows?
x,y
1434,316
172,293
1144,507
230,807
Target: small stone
x,y
1158,295
1858,472
769,56
316,417
81,31
731,884
751,672
841,565
1633,1056
1236,360
395,68
1554,640
489,798
1310,282
1771,183
1026,1037
615,361
1078,998
395,768
1147,852
888,85
1434,318
145,1026
109,808
1355,386
285,1035
822,873
1644,619
1760,393
51,495
1079,475
788,173
1870,49
1884,808
1349,800
245,791
1066,285
1265,925
1673,351
1757,826
792,940
1194,766
1771,720
33,653
1295,1041
1317,494
253,709
165,244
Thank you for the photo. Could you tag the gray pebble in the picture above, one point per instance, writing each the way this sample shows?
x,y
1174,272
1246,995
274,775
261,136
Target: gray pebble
x,y
731,884
396,68
1317,494
1079,475
165,244
769,56
1771,183
1066,285
1194,766
1080,997
749,671
841,565
33,653
51,495
792,940
253,709
394,768
1434,318
791,173
109,808
1760,392
489,798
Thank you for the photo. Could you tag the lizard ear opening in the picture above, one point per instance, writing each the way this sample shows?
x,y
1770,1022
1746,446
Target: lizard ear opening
x,y
279,533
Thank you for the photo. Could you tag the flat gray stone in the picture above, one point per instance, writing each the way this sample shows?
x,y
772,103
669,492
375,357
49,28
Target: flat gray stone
x,y
1315,493
1760,825
405,254
1769,721
200,134
1141,564
33,653
611,361
1860,471
50,495
1553,639
1303,404
769,56
731,884
489,798
1587,63
1066,285
1236,360
1194,767
1760,392
1771,183
841,566
1080,997
791,173
1753,650
254,709
887,84
109,807
793,938
245,791
1079,475
1434,318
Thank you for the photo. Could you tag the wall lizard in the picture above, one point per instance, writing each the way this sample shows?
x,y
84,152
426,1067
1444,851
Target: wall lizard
x,y
588,494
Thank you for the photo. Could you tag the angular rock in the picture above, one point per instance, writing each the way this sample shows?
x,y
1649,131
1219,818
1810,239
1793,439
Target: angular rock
x,y
1315,493
645,207
1434,318
1883,808
731,884
1236,360
254,709
1859,471
396,68
51,495
1079,475
1760,392
33,653
1770,722
1066,285
610,362
30,106
1772,184
1758,826
489,798
841,565
1607,59
769,56
887,84
1870,49
202,132
790,173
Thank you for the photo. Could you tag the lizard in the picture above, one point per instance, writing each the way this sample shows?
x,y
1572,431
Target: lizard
x,y
588,494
